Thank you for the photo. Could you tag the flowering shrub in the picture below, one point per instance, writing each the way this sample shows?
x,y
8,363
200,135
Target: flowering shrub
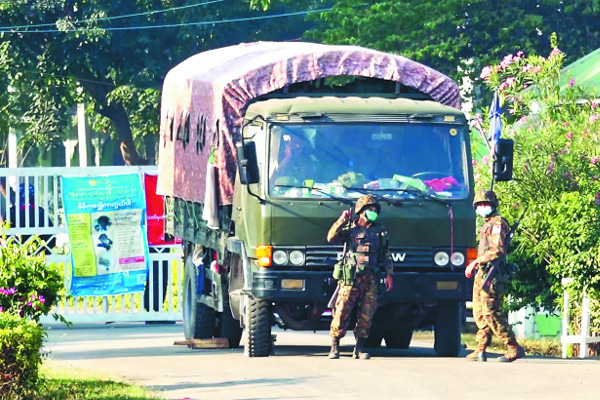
x,y
21,343
28,290
556,170
28,287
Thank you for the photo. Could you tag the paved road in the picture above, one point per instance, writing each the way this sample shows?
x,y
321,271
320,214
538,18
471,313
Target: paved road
x,y
300,369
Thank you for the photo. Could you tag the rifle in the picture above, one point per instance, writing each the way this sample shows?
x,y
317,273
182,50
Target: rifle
x,y
495,265
333,298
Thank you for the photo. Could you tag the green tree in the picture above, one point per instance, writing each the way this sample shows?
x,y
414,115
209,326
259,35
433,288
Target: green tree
x,y
556,176
55,53
445,34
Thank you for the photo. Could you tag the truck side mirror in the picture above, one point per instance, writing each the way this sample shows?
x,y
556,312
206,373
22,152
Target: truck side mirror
x,y
503,162
247,164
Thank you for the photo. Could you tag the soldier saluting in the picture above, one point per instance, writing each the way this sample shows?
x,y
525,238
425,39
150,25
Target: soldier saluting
x,y
368,254
489,316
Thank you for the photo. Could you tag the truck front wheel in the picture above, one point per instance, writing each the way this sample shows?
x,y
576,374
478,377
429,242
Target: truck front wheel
x,y
399,337
447,329
198,318
258,328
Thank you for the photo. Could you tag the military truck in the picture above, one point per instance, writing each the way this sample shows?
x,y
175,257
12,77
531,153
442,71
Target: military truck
x,y
263,145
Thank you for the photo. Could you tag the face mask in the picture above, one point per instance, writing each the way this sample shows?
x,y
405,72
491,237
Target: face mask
x,y
370,215
484,211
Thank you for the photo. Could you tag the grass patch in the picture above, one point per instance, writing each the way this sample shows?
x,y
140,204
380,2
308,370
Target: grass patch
x,y
63,382
533,347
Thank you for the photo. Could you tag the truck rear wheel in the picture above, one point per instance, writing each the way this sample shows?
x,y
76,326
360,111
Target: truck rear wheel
x,y
198,318
230,328
258,328
398,337
447,329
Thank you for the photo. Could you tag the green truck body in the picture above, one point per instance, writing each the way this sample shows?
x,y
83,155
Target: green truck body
x,y
267,262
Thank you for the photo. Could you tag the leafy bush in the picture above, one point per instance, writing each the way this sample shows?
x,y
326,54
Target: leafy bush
x,y
21,342
28,286
556,130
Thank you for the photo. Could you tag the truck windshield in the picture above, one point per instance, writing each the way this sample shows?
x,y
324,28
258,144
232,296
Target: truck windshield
x,y
347,159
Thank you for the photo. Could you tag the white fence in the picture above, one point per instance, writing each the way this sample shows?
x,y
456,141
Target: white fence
x,y
161,301
583,338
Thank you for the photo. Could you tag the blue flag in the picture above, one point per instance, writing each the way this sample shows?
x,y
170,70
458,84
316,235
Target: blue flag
x,y
495,121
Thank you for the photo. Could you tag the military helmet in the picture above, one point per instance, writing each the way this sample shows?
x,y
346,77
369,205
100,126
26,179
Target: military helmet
x,y
364,202
485,196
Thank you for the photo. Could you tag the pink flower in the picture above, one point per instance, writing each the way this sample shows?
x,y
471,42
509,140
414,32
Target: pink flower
x,y
503,85
485,159
555,52
569,135
1,309
526,68
520,54
536,70
594,105
474,162
508,59
485,72
510,81
571,82
593,118
594,160
565,124
525,86
42,299
523,119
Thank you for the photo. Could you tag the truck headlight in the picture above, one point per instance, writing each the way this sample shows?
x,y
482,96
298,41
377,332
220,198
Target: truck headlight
x,y
297,257
280,257
441,258
457,258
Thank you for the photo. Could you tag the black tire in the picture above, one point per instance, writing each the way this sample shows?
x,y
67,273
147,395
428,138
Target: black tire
x,y
258,328
198,318
230,328
375,335
399,337
447,329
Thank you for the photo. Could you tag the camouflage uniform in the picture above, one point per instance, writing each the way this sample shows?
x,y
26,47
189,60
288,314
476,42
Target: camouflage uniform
x,y
370,249
489,316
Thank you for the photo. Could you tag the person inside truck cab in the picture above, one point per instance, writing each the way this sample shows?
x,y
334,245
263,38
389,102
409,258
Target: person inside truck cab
x,y
292,162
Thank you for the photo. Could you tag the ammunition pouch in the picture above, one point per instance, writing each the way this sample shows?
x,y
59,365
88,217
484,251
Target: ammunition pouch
x,y
344,271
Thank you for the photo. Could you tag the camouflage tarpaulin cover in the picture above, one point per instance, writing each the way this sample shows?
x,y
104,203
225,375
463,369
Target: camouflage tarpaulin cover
x,y
204,99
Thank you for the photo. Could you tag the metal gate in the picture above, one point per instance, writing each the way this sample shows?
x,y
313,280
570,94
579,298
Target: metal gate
x,y
161,300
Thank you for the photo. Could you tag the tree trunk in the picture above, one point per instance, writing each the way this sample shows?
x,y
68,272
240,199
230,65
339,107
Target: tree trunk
x,y
119,120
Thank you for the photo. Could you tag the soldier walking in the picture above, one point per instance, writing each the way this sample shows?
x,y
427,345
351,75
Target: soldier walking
x,y
368,253
489,316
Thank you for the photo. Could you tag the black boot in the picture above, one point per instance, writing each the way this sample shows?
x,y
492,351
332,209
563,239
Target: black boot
x,y
359,350
334,353
515,351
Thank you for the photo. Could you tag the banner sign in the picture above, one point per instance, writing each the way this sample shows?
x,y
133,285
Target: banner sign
x,y
106,222
155,204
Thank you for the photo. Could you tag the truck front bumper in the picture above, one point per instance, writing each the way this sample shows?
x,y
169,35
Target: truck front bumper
x,y
309,286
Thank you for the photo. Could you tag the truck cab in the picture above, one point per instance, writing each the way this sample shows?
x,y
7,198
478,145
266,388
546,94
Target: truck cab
x,y
312,157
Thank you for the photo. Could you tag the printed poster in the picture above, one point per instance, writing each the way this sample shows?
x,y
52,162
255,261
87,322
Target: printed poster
x,y
155,210
106,222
